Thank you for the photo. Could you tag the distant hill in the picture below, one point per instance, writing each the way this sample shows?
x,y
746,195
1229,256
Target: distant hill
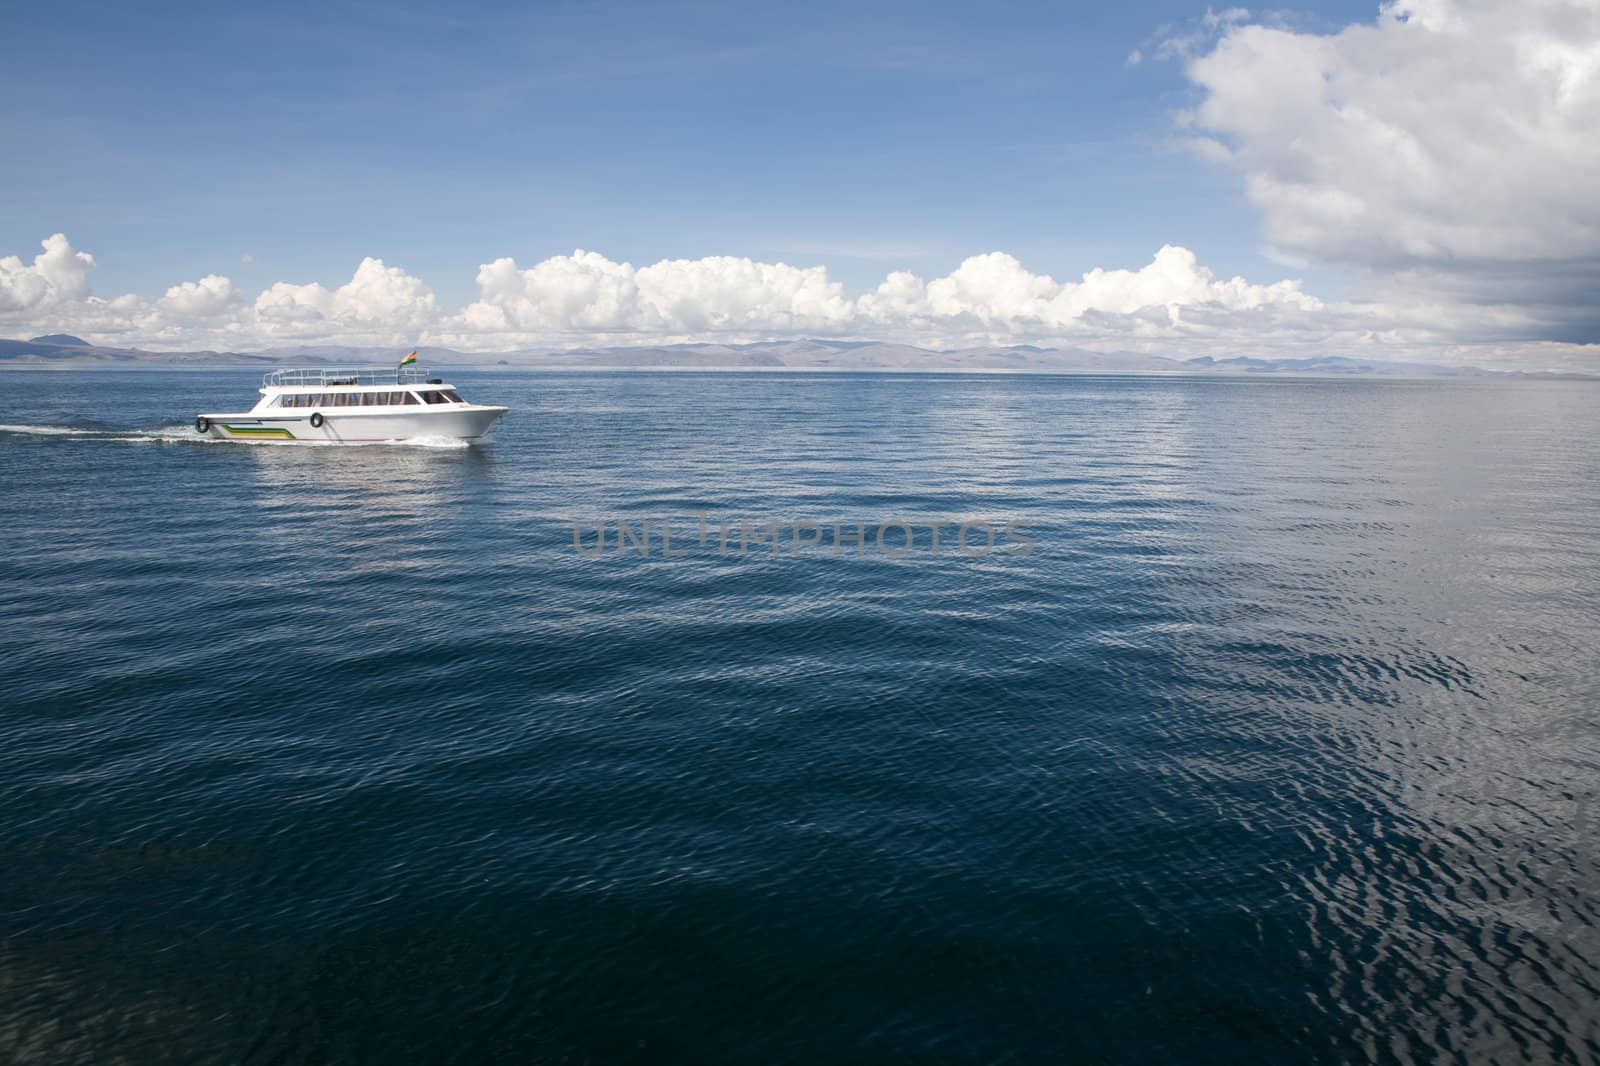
x,y
1338,364
60,349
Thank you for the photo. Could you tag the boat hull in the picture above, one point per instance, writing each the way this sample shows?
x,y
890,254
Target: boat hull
x,y
356,426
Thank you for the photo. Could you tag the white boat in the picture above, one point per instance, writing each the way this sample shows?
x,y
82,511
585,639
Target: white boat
x,y
353,407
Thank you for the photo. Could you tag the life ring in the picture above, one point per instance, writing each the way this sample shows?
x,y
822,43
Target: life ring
x,y
317,420
202,424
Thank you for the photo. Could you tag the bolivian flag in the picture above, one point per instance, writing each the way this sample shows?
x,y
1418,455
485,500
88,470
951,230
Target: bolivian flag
x,y
408,360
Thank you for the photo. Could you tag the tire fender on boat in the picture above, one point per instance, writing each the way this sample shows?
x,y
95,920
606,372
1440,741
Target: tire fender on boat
x,y
317,420
202,424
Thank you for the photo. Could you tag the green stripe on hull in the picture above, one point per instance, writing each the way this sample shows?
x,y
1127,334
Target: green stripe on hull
x,y
259,431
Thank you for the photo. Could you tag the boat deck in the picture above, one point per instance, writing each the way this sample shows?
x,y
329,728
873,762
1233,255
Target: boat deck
x,y
325,377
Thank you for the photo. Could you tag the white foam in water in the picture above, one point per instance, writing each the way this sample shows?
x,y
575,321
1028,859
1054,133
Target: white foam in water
x,y
449,443
135,436
168,435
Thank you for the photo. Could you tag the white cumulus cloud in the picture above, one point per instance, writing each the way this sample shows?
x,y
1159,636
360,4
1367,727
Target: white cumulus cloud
x,y
586,292
1451,146
212,295
376,296
996,291
58,274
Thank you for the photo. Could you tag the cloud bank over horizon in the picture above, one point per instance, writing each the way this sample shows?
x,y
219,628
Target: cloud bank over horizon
x,y
585,297
1444,155
1172,305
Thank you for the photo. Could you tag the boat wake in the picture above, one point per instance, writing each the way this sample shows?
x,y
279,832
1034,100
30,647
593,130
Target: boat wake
x,y
170,435
187,435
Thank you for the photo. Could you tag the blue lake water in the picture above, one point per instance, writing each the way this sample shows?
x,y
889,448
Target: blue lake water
x,y
1282,743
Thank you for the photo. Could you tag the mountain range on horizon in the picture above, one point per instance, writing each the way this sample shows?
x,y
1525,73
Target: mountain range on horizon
x,y
65,350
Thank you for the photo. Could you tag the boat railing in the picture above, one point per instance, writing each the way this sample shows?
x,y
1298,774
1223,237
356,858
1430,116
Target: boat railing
x,y
334,376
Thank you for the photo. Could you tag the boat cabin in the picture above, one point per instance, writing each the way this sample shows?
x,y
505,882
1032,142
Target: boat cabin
x,y
425,394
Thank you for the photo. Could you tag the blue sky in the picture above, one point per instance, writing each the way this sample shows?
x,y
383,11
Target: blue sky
x,y
868,137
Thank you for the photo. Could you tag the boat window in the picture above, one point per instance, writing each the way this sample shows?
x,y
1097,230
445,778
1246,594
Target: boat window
x,y
411,397
285,400
433,396
452,396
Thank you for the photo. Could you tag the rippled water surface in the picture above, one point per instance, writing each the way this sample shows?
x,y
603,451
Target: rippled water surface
x,y
1282,744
